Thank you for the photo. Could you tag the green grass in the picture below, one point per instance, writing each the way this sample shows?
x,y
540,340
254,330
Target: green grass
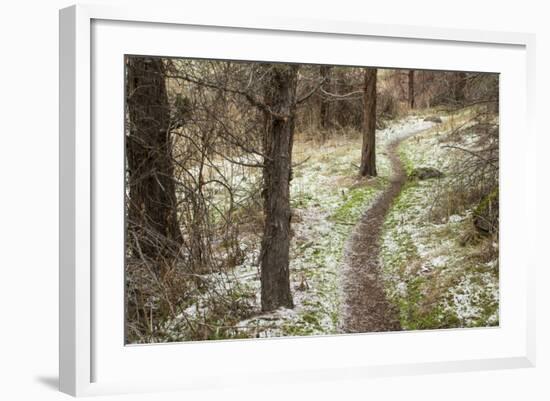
x,y
354,204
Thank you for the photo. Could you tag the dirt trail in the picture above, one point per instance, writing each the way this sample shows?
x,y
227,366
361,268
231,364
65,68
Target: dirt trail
x,y
365,307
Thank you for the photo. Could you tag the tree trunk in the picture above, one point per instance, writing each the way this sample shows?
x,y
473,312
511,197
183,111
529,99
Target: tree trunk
x,y
368,151
280,97
152,215
325,72
459,87
411,89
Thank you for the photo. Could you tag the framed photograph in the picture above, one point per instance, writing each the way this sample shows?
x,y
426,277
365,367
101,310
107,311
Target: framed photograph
x,y
278,200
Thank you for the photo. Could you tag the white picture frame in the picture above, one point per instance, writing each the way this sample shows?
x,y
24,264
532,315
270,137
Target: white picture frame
x,y
93,357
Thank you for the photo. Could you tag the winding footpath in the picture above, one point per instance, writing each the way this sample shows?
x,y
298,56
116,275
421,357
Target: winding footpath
x,y
365,307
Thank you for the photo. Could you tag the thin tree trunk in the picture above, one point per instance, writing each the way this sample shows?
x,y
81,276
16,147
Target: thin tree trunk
x,y
411,89
368,150
280,96
459,87
152,215
325,72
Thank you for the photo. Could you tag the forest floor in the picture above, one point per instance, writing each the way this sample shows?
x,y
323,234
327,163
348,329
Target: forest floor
x,y
367,254
435,267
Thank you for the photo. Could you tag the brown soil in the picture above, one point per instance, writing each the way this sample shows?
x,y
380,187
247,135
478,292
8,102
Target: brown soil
x,y
365,306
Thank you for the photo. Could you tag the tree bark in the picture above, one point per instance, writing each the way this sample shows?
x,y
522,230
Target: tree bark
x,y
368,150
152,214
325,72
280,97
411,89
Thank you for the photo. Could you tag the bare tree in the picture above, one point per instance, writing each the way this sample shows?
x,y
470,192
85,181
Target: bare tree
x,y
278,85
368,151
280,98
459,87
325,73
411,89
152,213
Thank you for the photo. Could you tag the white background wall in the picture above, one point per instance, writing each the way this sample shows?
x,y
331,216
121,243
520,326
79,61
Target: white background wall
x,y
29,187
